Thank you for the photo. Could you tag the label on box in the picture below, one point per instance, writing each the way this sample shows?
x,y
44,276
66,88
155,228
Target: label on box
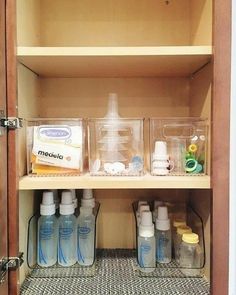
x,y
58,146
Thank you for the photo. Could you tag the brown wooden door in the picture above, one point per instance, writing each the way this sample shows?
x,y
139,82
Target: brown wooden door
x,y
3,150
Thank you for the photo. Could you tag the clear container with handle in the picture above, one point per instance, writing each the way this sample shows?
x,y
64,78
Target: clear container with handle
x,y
178,146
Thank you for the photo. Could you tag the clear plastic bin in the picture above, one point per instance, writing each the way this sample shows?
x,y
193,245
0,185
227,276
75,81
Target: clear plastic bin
x,y
56,271
173,269
178,146
115,146
55,146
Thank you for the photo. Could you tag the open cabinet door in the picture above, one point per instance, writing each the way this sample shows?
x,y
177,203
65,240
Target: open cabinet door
x,y
12,147
3,159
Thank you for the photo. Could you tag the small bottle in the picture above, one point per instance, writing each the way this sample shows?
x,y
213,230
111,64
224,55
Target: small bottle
x,y
86,236
163,236
67,255
191,255
47,232
88,200
146,243
184,229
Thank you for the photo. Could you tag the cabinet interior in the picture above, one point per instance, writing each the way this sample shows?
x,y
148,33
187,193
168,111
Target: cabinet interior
x,y
66,23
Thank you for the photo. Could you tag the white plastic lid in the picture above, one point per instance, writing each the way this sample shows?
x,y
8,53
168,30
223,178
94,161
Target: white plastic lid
x,y
162,221
67,206
163,224
160,147
160,151
47,206
146,227
86,210
162,213
74,198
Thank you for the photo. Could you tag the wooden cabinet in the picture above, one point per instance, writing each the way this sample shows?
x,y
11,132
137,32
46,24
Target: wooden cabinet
x,y
64,57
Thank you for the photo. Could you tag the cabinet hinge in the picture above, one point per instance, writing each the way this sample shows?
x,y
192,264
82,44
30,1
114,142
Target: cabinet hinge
x,y
8,264
12,122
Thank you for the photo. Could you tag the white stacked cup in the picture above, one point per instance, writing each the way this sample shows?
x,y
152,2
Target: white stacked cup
x,y
160,159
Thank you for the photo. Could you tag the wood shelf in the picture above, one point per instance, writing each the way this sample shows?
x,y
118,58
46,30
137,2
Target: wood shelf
x,y
165,61
110,182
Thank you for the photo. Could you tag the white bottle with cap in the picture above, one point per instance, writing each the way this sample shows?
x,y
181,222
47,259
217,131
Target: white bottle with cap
x,y
88,200
47,232
163,236
146,243
160,159
191,255
67,254
86,236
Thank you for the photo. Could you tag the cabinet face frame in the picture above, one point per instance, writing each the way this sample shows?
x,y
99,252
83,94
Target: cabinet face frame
x,y
3,149
220,144
13,178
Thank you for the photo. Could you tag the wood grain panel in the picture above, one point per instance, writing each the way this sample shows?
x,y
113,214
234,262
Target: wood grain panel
x,y
28,22
69,62
115,23
28,98
13,201
220,147
3,149
201,22
137,97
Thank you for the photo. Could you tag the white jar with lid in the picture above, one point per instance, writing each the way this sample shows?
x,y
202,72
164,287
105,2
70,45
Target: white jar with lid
x,y
191,255
183,229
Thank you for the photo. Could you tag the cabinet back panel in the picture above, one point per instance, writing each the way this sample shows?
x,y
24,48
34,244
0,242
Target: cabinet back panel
x,y
138,97
116,222
114,23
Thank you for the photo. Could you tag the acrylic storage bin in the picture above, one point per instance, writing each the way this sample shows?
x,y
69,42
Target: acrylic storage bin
x,y
55,146
115,147
178,146
173,269
56,271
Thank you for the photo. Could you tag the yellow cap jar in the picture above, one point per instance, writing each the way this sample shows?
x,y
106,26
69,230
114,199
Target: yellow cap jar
x,y
190,238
